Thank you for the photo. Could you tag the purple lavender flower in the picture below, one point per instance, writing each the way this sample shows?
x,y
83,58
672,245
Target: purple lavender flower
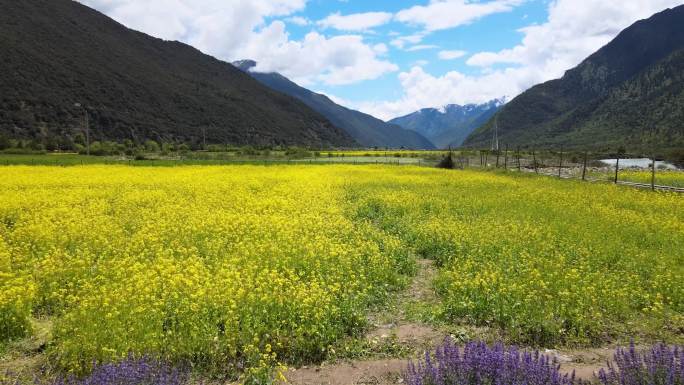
x,y
479,364
131,371
661,365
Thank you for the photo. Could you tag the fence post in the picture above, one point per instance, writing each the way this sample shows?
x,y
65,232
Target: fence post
x,y
617,166
534,160
498,154
584,167
506,159
653,170
486,158
560,164
518,155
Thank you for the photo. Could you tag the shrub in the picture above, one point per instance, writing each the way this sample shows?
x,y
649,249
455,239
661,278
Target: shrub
x,y
479,364
447,162
151,146
661,365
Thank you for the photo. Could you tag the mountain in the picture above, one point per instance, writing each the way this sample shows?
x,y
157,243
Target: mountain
x,y
366,129
629,93
56,53
450,125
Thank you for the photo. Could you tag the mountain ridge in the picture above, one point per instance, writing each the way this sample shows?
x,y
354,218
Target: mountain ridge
x,y
612,98
57,53
364,128
450,124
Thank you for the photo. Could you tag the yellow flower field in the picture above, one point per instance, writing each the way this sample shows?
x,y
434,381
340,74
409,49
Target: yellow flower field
x,y
220,265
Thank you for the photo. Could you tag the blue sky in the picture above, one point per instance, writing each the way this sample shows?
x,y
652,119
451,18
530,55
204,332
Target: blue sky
x,y
491,33
390,58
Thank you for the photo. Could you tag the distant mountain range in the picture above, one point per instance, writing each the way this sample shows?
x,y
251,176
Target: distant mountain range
x,y
367,130
629,93
56,53
450,125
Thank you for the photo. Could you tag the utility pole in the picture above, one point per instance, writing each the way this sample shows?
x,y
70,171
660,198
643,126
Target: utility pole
x,y
617,166
653,168
495,139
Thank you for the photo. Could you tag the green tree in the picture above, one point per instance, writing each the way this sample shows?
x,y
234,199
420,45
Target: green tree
x,y
5,142
151,146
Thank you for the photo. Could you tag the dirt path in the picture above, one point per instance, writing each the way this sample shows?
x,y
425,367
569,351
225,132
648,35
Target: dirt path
x,y
395,321
390,326
395,325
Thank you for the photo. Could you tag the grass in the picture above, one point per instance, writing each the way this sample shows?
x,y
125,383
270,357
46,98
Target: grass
x,y
193,159
663,177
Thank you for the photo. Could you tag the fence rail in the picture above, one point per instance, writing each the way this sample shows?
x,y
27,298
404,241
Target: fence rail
x,y
618,167
559,164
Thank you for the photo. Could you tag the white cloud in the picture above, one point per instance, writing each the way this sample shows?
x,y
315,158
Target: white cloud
x,y
422,90
401,41
380,49
451,55
298,20
574,30
336,60
445,14
421,47
237,29
356,21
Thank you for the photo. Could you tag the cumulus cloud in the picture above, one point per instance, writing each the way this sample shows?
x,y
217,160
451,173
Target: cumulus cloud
x,y
451,55
237,29
421,47
336,60
573,30
401,41
423,90
445,14
298,20
356,21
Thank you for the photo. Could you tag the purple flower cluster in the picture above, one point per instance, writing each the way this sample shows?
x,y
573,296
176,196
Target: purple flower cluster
x,y
132,371
479,364
661,365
